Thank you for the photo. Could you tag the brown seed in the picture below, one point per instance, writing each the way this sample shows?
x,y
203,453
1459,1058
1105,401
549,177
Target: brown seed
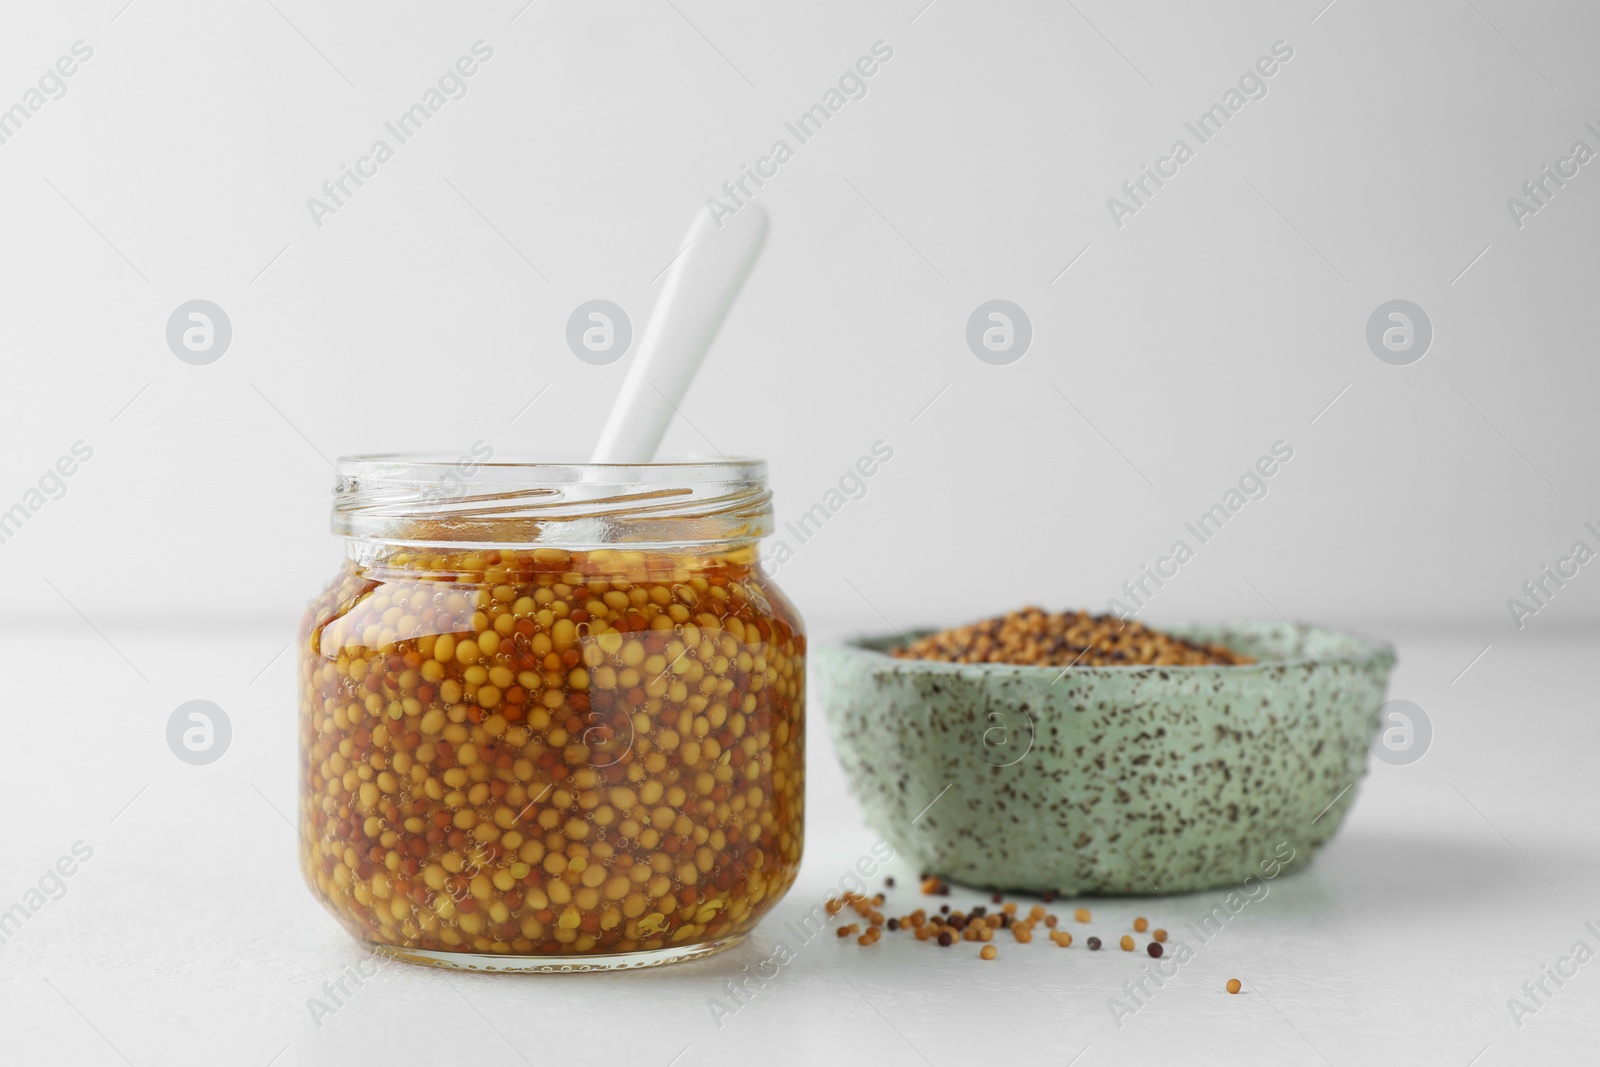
x,y
1233,985
945,940
1094,944
1154,949
988,952
1032,637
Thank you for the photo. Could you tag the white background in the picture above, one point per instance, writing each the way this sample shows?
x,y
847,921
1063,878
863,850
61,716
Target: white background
x,y
1227,314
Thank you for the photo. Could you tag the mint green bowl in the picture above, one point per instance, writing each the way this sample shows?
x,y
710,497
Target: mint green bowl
x,y
1107,780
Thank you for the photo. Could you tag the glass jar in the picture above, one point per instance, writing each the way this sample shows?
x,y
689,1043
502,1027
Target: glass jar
x,y
552,716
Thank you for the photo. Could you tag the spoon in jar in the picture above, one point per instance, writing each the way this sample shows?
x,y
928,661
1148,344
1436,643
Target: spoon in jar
x,y
700,288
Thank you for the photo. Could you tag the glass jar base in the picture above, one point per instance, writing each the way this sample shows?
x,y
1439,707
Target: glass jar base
x,y
509,964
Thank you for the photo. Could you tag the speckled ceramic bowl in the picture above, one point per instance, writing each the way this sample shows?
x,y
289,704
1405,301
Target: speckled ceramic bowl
x,y
1108,779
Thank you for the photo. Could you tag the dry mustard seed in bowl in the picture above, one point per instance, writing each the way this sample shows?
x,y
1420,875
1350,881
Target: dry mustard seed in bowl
x,y
1031,637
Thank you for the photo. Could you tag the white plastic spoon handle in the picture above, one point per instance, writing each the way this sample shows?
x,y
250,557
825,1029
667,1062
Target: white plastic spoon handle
x,y
700,288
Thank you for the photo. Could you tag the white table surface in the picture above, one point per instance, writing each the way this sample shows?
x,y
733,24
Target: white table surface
x,y
189,938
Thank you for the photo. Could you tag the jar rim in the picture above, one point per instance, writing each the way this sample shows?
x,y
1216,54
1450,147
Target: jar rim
x,y
486,499
561,468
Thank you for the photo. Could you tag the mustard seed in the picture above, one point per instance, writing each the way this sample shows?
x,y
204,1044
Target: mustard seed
x,y
1233,985
1155,950
1126,943
1141,924
1160,934
988,952
945,940
1094,944
1082,915
1031,637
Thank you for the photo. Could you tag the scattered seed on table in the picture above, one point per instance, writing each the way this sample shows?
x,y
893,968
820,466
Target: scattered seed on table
x,y
1094,944
889,881
945,940
1049,896
995,899
1126,943
1159,935
1233,985
1154,948
1082,915
988,952
1141,924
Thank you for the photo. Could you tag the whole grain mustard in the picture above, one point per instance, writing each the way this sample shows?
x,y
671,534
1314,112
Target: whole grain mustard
x,y
551,753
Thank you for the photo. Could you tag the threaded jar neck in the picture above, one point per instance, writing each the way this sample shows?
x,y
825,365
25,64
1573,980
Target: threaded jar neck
x,y
493,502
